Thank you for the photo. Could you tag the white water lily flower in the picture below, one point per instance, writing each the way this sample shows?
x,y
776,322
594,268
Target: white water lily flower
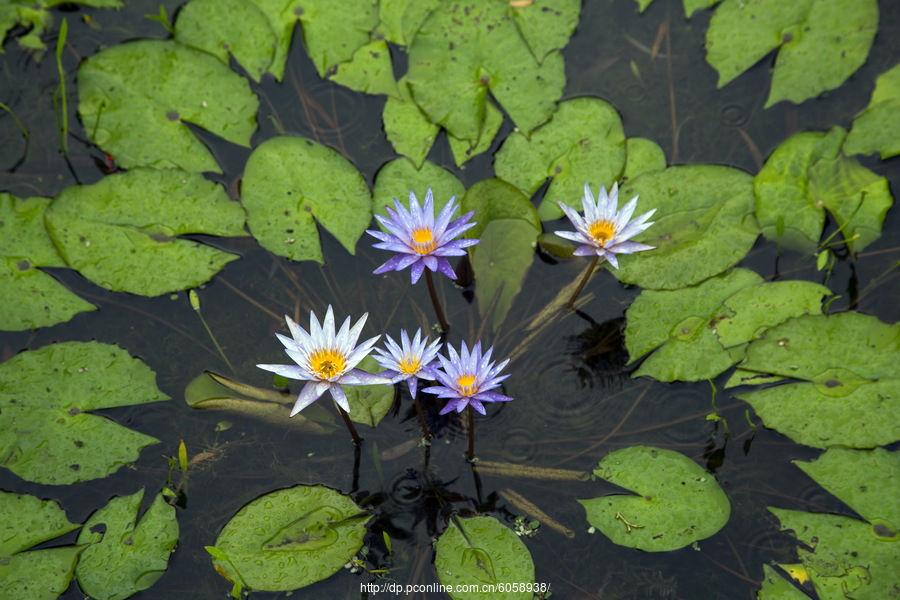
x,y
604,230
325,359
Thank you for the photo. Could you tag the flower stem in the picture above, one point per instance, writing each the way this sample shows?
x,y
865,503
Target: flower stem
x,y
356,439
571,303
445,326
425,432
471,456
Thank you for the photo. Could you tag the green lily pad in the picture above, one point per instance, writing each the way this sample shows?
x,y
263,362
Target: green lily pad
x,y
136,98
546,25
283,201
407,128
807,175
500,262
642,156
463,150
508,227
227,28
848,362
776,587
863,479
877,129
481,551
752,310
704,224
46,435
399,20
452,69
290,538
843,556
369,404
400,176
822,42
678,503
123,556
35,18
30,297
38,574
121,231
681,326
370,70
583,143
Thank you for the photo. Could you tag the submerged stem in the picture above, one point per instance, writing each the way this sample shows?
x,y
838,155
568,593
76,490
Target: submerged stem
x,y
445,326
425,432
471,454
583,283
356,439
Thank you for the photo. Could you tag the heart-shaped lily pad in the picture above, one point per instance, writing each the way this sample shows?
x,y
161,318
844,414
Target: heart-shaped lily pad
x,y
704,224
848,362
45,432
40,574
124,556
284,201
290,538
30,297
121,232
677,504
482,551
136,98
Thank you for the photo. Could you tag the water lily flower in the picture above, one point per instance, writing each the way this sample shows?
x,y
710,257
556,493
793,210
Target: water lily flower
x,y
408,361
467,379
421,240
325,359
604,230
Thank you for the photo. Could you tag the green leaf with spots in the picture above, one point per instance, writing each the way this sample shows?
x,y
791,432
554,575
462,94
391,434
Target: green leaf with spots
x,y
122,232
583,143
124,556
407,128
332,31
38,574
776,587
399,20
462,53
704,224
46,435
481,551
877,129
843,556
753,310
30,297
677,502
847,362
822,42
284,198
290,538
227,28
137,98
680,326
463,150
863,479
398,177
546,25
370,70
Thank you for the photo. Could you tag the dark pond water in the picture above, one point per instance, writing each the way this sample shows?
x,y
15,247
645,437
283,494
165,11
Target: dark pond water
x,y
575,400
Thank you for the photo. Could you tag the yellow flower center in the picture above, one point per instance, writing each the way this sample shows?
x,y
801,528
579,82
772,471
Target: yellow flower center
x,y
423,240
409,365
602,231
327,363
466,384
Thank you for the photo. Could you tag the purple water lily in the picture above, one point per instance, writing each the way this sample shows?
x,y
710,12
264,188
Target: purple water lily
x,y
467,379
